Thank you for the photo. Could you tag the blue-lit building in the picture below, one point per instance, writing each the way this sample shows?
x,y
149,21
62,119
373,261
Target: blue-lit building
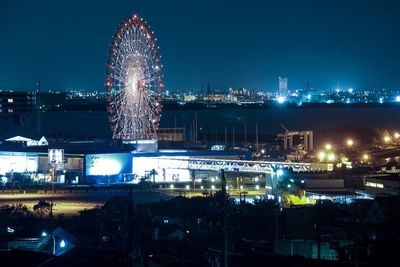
x,y
26,157
163,166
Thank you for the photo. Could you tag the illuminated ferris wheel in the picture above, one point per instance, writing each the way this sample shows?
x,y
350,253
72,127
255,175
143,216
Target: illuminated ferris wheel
x,y
134,82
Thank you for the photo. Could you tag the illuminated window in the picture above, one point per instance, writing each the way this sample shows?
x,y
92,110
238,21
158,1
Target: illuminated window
x,y
370,184
10,100
10,110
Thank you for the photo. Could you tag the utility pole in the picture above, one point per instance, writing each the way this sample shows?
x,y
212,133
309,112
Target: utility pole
x,y
233,136
257,137
195,114
130,223
38,107
216,135
225,136
193,132
245,134
225,220
175,122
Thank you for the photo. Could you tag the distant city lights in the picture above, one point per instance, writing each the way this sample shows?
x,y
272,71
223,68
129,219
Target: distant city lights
x,y
281,99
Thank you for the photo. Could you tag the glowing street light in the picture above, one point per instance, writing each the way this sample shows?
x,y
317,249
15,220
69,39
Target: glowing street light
x,y
321,155
62,244
350,142
396,135
279,172
365,157
386,139
331,157
328,146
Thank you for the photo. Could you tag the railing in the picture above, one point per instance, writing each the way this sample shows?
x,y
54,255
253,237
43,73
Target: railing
x,y
232,165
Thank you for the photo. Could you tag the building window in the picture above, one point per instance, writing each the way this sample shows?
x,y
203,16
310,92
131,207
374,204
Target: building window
x,y
10,100
10,110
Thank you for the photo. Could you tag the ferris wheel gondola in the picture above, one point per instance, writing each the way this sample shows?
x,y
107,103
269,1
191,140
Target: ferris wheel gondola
x,y
134,82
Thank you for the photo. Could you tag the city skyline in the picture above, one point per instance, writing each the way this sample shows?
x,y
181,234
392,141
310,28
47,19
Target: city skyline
x,y
350,44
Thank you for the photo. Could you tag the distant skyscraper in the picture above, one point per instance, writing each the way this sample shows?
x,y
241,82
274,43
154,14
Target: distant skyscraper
x,y
283,88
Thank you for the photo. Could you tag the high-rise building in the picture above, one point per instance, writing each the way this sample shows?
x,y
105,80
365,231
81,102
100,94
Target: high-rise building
x,y
283,88
17,102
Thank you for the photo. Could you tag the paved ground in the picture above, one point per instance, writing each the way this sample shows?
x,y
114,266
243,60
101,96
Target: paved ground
x,y
71,203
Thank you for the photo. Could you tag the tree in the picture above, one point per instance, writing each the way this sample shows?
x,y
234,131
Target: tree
x,y
42,207
153,173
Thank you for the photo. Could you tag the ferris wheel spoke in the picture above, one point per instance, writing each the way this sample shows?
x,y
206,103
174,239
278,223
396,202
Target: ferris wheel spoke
x,y
134,82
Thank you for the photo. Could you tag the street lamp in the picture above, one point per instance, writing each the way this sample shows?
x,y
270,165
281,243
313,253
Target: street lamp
x,y
321,155
331,157
279,172
328,146
350,142
386,139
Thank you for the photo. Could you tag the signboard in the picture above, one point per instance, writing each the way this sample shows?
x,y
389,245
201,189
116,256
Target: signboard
x,y
108,164
56,156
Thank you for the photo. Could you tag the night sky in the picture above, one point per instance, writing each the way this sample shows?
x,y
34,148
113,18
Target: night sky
x,y
248,43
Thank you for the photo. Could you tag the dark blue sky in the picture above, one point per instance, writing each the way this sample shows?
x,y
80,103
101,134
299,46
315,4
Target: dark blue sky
x,y
248,43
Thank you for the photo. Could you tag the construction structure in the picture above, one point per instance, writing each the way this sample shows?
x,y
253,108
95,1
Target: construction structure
x,y
306,136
